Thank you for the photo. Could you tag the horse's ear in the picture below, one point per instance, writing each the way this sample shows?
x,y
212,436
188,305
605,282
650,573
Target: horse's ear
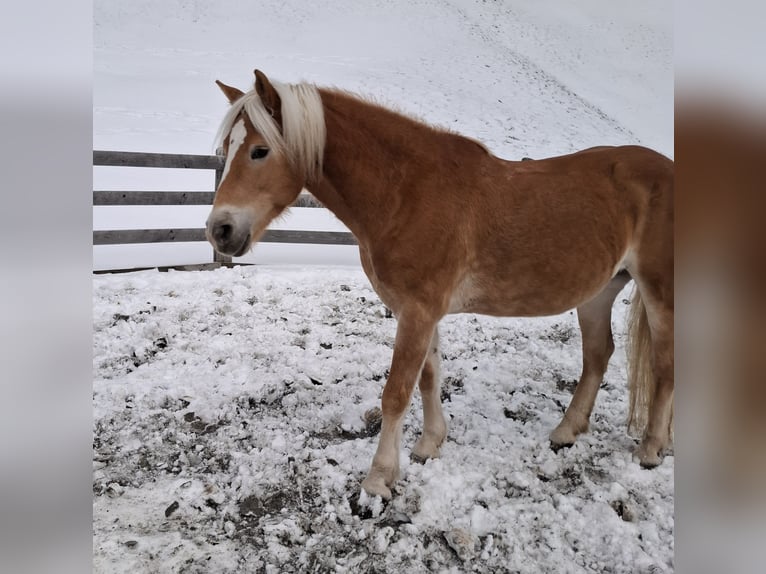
x,y
268,95
232,94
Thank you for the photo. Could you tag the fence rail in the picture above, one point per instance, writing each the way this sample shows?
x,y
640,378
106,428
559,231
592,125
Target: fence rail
x,y
168,160
126,236
153,198
174,198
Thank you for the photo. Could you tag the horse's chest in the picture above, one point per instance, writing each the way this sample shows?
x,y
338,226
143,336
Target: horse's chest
x,y
386,292
388,296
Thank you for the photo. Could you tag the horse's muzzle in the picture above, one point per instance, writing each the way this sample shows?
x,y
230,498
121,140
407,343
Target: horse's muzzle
x,y
229,233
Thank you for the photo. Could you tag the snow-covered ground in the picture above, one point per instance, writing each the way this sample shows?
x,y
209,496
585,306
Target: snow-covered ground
x,y
232,433
229,406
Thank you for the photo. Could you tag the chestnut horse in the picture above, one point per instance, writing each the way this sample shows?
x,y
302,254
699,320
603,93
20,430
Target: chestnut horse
x,y
445,227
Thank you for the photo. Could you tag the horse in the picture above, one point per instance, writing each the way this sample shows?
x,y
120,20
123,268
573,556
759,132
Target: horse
x,y
444,226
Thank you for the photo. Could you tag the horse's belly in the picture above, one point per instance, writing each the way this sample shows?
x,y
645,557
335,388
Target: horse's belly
x,y
525,297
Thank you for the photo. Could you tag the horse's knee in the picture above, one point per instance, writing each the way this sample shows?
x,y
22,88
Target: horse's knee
x,y
395,399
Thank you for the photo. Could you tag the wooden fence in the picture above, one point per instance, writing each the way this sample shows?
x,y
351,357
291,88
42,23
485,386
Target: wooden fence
x,y
211,162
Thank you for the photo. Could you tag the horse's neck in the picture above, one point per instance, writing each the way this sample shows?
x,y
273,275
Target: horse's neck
x,y
364,166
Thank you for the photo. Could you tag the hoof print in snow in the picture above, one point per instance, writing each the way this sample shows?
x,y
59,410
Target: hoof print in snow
x,y
251,506
337,433
365,506
363,512
254,507
171,509
568,385
117,317
113,490
198,425
380,541
372,418
449,386
146,354
462,542
521,414
395,519
559,333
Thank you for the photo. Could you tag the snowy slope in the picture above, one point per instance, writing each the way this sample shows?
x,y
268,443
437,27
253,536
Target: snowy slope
x,y
527,79
566,76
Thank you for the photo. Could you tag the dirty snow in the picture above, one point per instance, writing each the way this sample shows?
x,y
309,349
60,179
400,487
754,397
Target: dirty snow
x,y
234,421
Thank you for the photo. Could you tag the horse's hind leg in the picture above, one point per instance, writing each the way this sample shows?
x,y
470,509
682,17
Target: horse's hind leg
x,y
595,318
434,425
658,302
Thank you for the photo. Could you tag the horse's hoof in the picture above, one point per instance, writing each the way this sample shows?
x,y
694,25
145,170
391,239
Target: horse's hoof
x,y
649,461
562,437
419,458
425,449
556,446
379,480
374,486
648,457
565,435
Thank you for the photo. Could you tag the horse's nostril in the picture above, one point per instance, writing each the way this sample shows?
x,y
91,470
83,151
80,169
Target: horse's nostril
x,y
223,232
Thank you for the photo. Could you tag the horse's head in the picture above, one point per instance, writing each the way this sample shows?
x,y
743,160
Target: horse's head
x,y
267,163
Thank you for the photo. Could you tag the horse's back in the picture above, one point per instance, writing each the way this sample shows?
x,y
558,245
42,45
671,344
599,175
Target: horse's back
x,y
643,162
549,234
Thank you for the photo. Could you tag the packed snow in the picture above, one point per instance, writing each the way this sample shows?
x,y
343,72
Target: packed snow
x,y
235,410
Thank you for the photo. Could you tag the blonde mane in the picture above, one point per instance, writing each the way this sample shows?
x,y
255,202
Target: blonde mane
x,y
303,134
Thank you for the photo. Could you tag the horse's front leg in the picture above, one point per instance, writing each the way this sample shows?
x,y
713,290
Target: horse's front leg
x,y
413,337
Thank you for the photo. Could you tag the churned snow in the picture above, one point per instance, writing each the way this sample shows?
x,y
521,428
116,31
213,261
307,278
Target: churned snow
x,y
234,421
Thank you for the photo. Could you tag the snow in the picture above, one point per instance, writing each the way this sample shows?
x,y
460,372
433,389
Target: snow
x,y
526,79
234,410
241,395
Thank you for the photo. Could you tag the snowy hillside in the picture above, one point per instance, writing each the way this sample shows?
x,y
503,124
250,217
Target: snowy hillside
x,y
527,79
232,409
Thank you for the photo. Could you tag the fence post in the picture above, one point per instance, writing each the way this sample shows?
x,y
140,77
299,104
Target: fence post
x,y
217,257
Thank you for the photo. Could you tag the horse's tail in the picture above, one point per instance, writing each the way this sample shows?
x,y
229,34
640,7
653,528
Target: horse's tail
x,y
641,380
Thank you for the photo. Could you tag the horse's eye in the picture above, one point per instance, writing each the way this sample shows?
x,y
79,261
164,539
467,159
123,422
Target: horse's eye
x,y
259,152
